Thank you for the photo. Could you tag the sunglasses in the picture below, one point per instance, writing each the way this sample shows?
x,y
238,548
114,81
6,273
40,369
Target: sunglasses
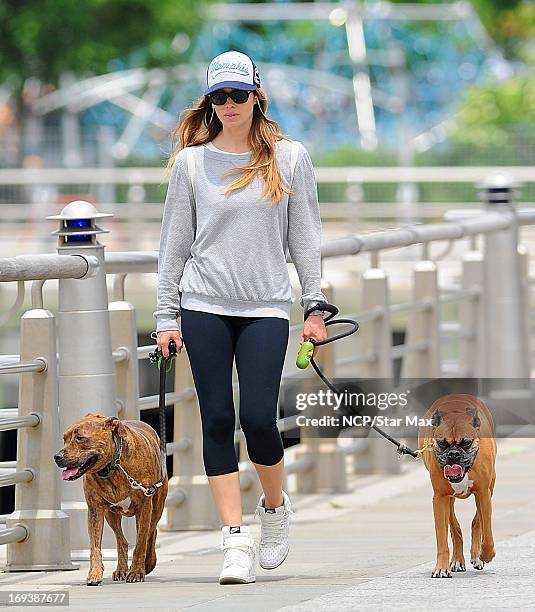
x,y
239,96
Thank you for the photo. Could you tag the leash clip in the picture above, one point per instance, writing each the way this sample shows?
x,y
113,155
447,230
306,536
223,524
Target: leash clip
x,y
158,354
401,449
152,489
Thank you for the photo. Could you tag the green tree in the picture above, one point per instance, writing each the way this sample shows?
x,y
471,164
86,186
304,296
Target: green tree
x,y
40,40
511,23
489,114
498,116
44,38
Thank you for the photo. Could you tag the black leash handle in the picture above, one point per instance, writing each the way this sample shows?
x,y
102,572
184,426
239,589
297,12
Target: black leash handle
x,y
403,449
157,357
334,311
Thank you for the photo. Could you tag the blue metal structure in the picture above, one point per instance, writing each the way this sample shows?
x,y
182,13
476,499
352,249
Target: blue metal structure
x,y
336,74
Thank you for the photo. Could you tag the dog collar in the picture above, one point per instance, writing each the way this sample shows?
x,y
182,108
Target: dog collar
x,y
109,469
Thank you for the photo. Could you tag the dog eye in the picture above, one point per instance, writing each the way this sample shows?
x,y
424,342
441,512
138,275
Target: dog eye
x,y
79,438
465,443
443,443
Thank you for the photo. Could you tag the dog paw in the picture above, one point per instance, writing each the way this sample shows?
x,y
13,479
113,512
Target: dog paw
x,y
94,578
135,575
487,554
457,566
477,563
440,572
119,574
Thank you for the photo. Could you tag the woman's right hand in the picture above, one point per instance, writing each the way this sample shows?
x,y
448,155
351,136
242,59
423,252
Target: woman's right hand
x,y
165,337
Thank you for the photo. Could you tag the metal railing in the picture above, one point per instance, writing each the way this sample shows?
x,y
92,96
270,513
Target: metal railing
x,y
98,372
143,207
37,519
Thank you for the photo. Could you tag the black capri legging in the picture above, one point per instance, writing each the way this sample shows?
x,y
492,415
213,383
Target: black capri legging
x,y
259,345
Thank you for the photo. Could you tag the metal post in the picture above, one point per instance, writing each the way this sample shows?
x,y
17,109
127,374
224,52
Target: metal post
x,y
511,398
507,343
377,339
124,339
523,254
189,503
423,331
376,336
356,41
472,317
328,472
86,369
424,325
407,195
37,502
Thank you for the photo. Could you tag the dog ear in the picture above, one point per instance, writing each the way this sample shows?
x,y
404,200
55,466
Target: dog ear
x,y
476,421
115,424
437,417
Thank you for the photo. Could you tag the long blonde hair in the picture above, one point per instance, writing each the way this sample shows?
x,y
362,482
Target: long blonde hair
x,y
195,128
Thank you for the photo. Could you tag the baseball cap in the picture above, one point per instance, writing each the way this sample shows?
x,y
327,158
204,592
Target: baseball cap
x,y
232,69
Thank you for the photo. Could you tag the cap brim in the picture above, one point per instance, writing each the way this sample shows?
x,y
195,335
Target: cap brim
x,y
234,84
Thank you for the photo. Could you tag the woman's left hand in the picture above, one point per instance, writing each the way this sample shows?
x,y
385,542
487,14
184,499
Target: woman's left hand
x,y
314,327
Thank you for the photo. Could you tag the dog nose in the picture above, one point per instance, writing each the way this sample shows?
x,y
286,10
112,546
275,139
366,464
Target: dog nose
x,y
454,455
58,456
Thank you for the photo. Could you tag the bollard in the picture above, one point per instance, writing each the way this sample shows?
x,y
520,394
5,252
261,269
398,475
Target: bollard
x,y
507,350
194,508
505,316
328,471
472,356
124,337
86,369
376,339
523,254
376,336
38,502
424,325
423,331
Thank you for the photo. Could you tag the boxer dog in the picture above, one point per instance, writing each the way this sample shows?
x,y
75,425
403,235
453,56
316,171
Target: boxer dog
x,y
99,448
461,462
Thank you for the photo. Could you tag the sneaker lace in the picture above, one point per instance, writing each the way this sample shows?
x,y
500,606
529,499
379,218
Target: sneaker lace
x,y
272,532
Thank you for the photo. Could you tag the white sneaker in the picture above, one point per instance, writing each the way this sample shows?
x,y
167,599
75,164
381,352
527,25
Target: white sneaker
x,y
274,544
240,554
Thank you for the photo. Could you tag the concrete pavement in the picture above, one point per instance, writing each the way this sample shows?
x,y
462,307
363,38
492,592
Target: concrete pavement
x,y
371,549
505,584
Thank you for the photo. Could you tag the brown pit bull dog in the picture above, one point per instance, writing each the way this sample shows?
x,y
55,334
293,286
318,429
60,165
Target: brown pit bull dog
x,y
463,461
121,465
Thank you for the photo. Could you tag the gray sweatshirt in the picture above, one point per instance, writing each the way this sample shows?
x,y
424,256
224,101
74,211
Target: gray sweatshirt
x,y
227,255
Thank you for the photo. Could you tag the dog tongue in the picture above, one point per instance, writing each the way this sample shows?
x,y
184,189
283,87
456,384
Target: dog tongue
x,y
453,470
70,472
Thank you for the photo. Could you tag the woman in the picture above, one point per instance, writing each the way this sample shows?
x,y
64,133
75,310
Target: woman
x,y
222,271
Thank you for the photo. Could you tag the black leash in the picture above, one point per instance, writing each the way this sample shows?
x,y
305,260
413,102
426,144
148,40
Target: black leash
x,y
402,448
164,364
157,357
